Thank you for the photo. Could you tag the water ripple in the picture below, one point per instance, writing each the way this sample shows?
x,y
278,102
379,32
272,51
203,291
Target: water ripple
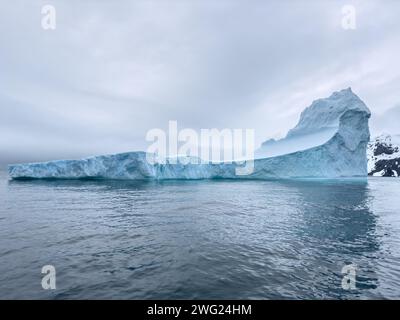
x,y
200,239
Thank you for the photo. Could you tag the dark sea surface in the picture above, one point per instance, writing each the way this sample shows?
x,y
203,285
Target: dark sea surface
x,y
216,239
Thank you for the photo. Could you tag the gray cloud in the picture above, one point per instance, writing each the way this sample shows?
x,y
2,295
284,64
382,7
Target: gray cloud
x,y
111,71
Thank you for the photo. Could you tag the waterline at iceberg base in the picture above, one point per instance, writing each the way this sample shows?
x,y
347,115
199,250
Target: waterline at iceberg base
x,y
329,141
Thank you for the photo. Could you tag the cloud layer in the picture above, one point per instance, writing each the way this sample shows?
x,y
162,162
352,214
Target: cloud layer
x,y
111,71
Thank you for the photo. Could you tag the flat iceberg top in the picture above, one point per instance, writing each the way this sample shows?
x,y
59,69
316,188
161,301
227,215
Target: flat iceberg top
x,y
273,148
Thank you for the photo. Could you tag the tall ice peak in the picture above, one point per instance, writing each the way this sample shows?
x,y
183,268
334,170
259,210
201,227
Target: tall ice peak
x,y
325,113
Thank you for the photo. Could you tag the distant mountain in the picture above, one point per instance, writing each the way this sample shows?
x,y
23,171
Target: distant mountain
x,y
383,155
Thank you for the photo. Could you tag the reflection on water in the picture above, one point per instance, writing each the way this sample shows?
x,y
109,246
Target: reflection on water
x,y
200,239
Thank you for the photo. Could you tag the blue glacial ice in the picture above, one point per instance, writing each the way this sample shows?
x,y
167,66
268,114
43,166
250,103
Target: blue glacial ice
x,y
329,141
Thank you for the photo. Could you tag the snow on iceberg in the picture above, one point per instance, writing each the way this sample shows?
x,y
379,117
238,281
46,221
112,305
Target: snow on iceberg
x,y
329,141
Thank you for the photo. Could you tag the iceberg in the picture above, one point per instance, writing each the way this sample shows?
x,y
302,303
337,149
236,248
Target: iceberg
x,y
329,141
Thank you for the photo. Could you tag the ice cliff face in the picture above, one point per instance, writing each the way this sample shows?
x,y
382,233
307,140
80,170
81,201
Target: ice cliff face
x,y
341,120
383,155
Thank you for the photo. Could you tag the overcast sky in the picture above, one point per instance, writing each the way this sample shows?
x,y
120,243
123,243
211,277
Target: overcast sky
x,y
112,70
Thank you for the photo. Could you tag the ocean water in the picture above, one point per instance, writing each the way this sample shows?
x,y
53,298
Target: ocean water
x,y
200,239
